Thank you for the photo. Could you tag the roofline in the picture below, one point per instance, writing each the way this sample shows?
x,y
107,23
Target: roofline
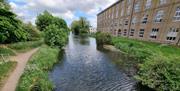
x,y
110,6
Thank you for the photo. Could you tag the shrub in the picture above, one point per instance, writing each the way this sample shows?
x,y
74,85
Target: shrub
x,y
10,28
55,36
33,33
103,38
160,73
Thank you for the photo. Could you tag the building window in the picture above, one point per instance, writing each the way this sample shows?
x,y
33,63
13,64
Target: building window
x,y
159,16
134,20
145,19
161,2
119,32
129,10
148,4
125,32
172,34
154,33
141,33
177,14
117,10
126,22
132,32
129,1
137,7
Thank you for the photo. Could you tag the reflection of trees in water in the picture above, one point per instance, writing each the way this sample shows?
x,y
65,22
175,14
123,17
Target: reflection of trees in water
x,y
82,39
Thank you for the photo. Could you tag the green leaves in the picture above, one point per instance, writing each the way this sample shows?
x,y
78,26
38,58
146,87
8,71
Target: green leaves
x,y
103,38
55,36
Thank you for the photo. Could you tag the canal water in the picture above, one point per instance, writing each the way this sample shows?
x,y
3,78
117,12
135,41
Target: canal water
x,y
85,68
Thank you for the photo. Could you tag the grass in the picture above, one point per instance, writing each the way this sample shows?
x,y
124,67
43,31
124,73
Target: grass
x,y
5,69
166,50
157,65
35,77
25,46
6,51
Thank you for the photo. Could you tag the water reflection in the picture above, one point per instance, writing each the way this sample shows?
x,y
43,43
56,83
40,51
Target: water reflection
x,y
84,68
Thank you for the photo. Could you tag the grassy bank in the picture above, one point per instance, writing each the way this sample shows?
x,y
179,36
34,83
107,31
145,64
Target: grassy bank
x,y
25,46
157,64
35,76
6,51
5,69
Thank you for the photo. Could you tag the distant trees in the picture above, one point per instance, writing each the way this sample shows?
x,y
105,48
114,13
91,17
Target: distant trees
x,y
80,26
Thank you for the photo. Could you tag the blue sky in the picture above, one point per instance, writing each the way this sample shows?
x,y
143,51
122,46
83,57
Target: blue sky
x,y
70,10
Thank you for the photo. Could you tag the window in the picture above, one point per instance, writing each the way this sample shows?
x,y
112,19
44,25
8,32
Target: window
x,y
117,10
145,18
137,7
148,4
159,16
161,2
129,1
125,32
134,21
141,33
119,32
132,32
172,34
154,33
129,10
126,22
177,14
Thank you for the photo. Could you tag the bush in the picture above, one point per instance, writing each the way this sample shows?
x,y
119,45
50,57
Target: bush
x,y
160,73
33,33
10,28
55,36
103,38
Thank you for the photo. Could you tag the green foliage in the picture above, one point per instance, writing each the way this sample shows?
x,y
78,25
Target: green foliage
x,y
44,20
161,73
5,69
11,28
103,38
23,46
55,36
4,4
80,26
33,33
35,77
6,51
159,64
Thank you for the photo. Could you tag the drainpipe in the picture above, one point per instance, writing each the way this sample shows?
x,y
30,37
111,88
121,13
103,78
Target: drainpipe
x,y
131,18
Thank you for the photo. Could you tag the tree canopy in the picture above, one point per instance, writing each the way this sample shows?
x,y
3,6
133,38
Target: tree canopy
x,y
80,26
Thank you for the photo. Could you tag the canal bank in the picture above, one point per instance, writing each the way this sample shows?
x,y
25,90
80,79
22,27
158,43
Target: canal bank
x,y
85,68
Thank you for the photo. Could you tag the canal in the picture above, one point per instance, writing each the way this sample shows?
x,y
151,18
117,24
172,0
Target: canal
x,y
85,68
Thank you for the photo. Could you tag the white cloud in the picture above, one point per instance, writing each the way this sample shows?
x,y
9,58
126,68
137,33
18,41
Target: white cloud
x,y
61,8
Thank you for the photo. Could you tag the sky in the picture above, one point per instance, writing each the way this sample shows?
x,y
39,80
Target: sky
x,y
70,10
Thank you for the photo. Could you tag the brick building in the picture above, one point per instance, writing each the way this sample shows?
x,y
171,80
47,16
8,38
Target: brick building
x,y
149,20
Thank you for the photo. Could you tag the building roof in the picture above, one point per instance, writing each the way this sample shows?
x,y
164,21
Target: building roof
x,y
110,6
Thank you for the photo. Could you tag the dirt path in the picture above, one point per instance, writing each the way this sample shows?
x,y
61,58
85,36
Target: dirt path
x,y
21,60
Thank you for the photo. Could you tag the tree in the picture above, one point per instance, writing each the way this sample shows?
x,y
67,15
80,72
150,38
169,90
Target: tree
x,y
80,26
33,32
4,4
10,27
55,36
44,20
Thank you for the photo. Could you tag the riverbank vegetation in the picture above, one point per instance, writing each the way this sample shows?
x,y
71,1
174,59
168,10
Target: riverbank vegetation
x,y
81,26
35,77
157,64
